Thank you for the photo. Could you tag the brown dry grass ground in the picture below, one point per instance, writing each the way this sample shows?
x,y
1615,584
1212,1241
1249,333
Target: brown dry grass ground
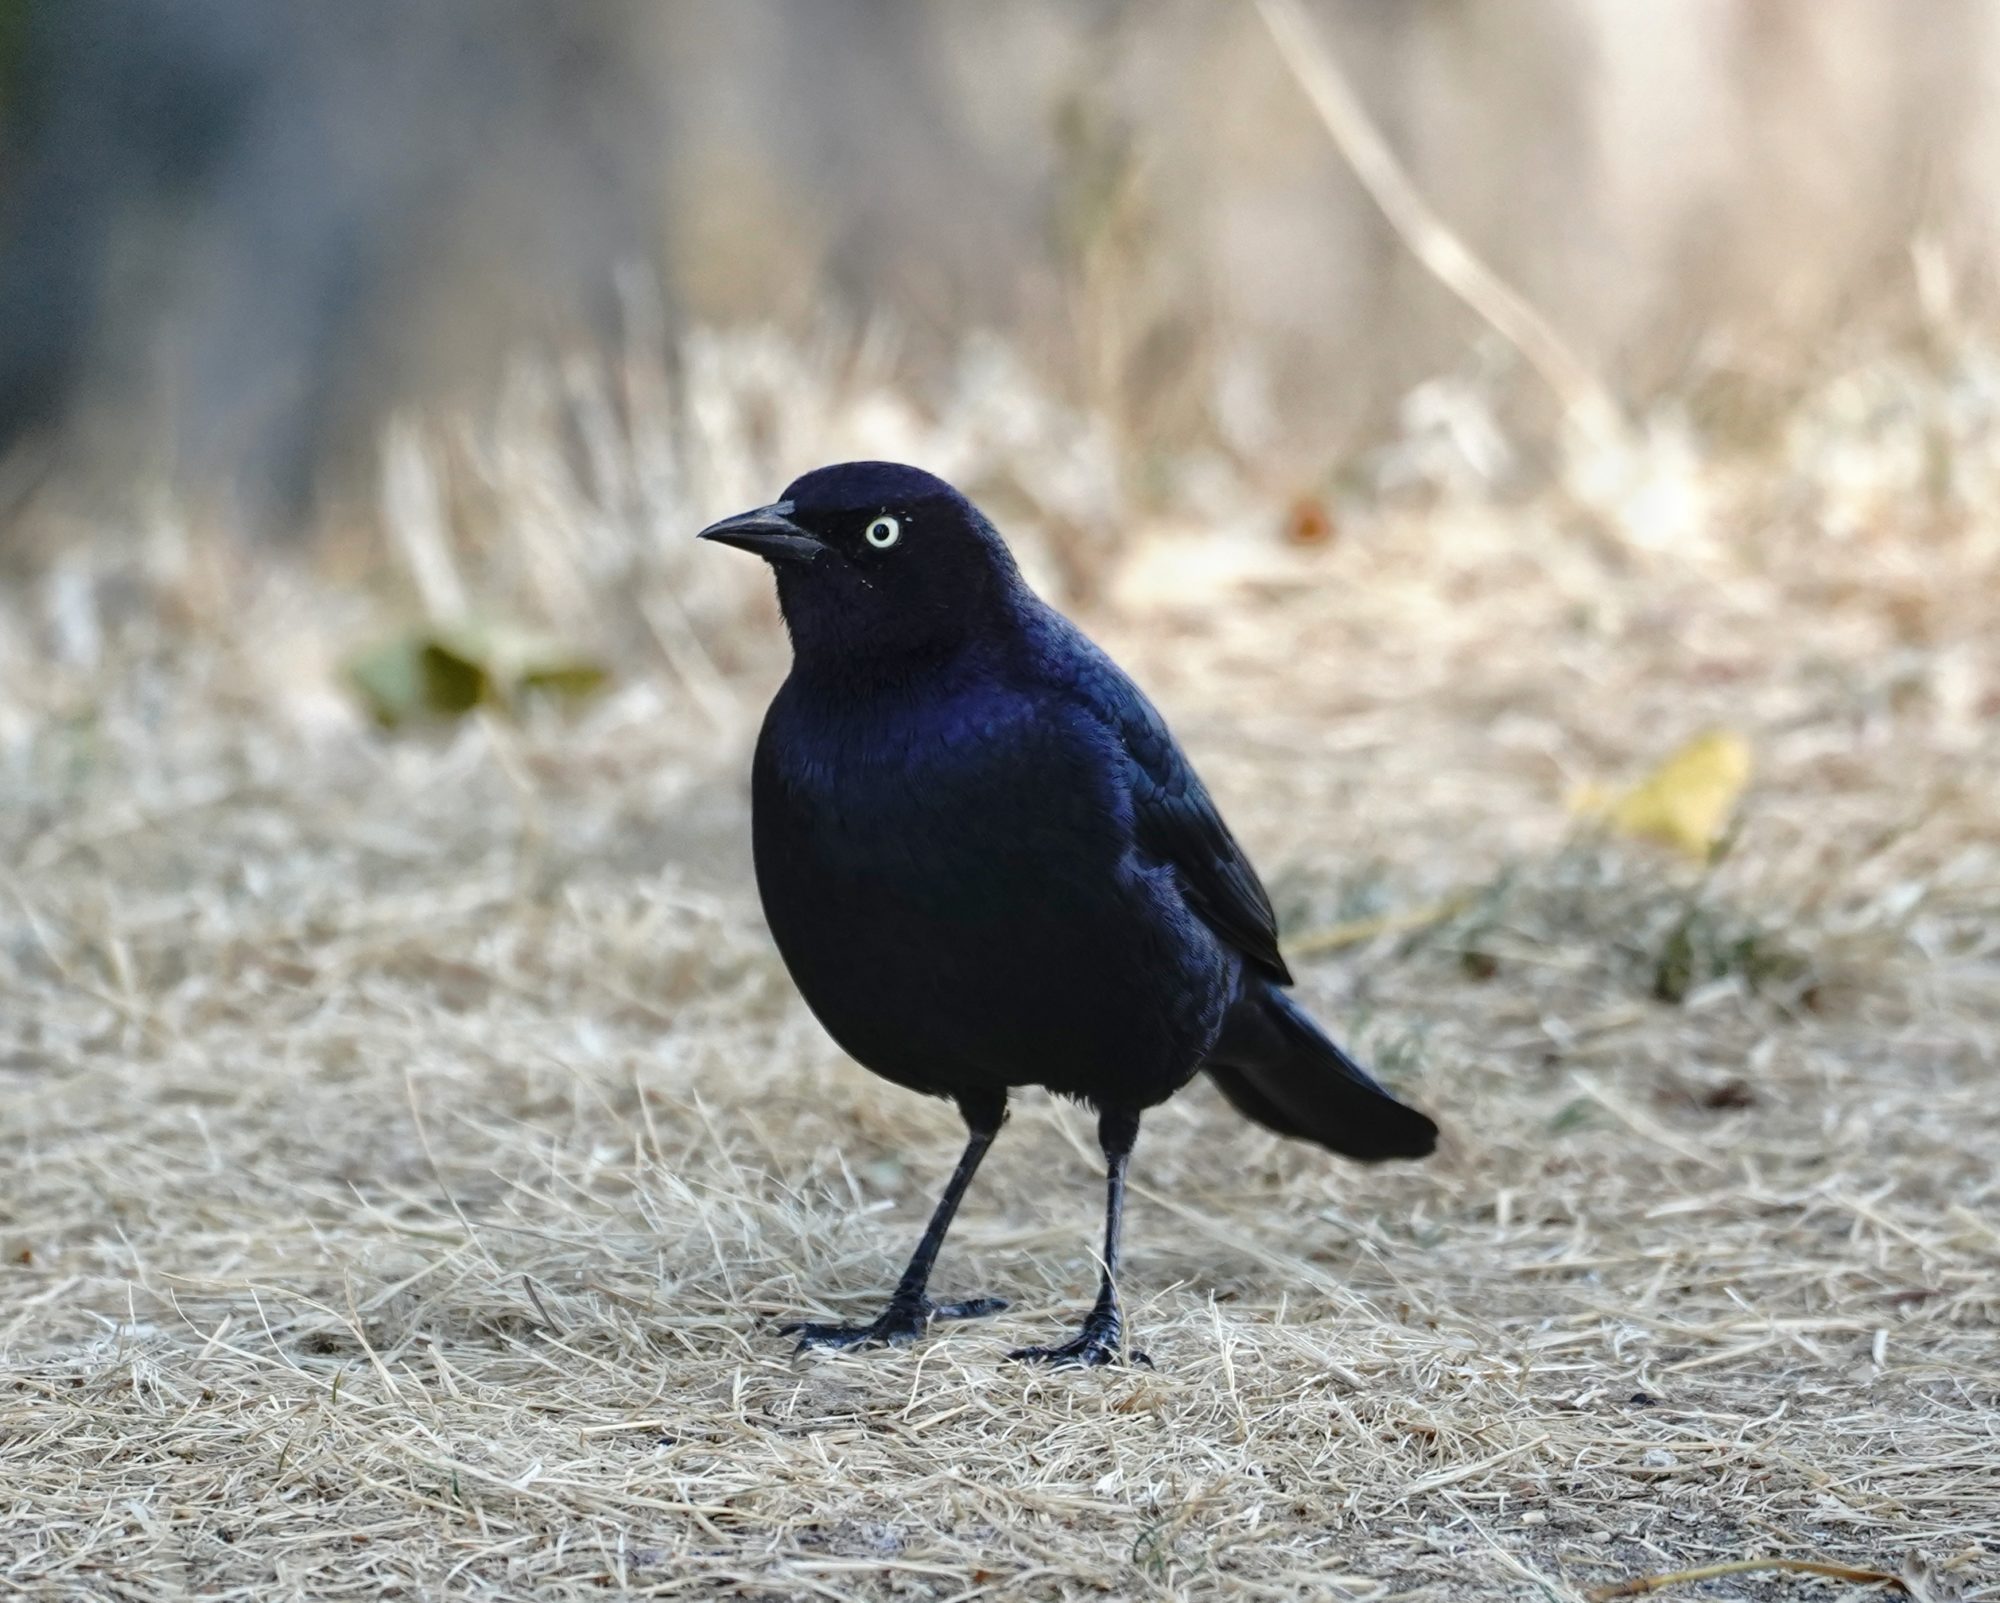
x,y
409,1144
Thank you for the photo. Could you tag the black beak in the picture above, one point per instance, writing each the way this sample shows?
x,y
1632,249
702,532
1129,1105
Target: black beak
x,y
768,532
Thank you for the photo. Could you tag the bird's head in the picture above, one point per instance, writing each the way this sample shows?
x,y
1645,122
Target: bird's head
x,y
876,561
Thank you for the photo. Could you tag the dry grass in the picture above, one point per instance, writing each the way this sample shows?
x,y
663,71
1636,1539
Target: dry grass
x,y
409,1144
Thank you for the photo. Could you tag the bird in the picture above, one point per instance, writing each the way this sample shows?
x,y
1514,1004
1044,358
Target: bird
x,y
987,864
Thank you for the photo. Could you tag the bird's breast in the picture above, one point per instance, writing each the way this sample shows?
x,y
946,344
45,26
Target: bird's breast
x,y
958,886
949,805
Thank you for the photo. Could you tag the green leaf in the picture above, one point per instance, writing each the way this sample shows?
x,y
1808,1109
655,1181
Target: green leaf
x,y
434,675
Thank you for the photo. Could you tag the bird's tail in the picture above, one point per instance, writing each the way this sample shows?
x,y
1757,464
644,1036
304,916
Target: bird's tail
x,y
1278,1067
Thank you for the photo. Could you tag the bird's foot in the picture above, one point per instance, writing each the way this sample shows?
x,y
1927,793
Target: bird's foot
x,y
899,1324
1097,1344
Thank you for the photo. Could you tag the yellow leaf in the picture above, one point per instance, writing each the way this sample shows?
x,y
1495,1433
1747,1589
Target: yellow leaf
x,y
1687,801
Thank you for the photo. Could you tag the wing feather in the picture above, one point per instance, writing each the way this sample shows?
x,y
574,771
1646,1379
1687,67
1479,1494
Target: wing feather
x,y
1177,820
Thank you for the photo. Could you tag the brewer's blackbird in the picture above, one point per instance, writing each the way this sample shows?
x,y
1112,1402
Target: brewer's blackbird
x,y
987,864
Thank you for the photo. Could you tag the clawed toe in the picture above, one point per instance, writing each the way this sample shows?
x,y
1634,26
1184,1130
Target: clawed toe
x,y
837,1338
1094,1347
971,1308
1080,1354
898,1325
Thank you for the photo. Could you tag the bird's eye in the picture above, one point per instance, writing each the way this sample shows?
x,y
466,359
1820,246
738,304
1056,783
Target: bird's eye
x,y
883,533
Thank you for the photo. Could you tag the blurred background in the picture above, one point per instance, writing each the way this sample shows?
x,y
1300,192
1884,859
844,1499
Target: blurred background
x,y
238,236
378,359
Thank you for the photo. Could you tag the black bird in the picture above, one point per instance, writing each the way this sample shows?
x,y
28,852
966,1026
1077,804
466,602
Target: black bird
x,y
987,864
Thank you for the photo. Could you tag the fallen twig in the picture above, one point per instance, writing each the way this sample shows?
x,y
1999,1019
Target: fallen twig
x,y
1644,1585
1441,251
1353,931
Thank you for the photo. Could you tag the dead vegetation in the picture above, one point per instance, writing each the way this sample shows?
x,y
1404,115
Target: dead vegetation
x,y
410,1140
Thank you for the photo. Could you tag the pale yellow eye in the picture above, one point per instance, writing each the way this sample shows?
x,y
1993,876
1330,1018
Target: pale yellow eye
x,y
883,533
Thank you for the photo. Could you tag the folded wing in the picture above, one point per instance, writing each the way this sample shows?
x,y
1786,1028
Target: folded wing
x,y
1177,821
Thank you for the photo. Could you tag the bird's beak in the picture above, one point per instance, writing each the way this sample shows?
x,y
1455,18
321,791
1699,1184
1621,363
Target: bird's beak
x,y
768,532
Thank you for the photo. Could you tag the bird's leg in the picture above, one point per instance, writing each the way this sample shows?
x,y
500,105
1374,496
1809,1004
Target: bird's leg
x,y
910,1310
1103,1327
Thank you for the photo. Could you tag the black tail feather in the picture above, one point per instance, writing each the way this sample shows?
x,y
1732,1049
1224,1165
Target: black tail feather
x,y
1277,1067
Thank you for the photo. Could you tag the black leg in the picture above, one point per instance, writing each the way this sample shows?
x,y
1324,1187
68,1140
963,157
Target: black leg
x,y
910,1310
1103,1327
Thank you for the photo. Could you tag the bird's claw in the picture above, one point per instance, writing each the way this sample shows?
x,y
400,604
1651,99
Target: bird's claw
x,y
970,1308
896,1326
1096,1345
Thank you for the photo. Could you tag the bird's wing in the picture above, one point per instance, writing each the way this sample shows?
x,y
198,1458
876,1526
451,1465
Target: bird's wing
x,y
1177,821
